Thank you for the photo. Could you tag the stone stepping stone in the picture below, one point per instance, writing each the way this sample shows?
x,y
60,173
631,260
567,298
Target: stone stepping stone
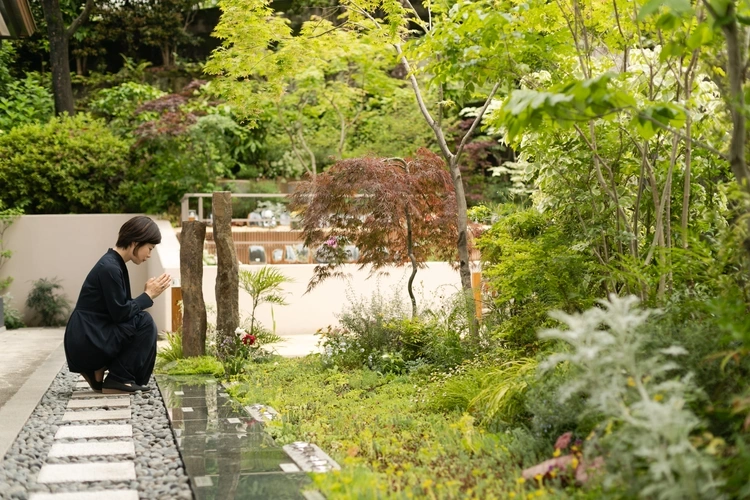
x,y
76,416
98,403
92,394
94,431
89,472
88,495
92,449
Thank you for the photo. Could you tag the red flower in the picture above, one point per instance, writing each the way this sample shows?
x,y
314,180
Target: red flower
x,y
248,339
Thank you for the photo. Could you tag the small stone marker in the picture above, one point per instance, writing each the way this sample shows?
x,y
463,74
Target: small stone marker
x,y
313,495
98,403
88,472
187,409
92,449
203,481
88,495
76,416
178,393
93,431
289,467
234,420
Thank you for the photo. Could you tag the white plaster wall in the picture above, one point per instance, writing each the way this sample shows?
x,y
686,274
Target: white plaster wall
x,y
66,247
165,258
306,313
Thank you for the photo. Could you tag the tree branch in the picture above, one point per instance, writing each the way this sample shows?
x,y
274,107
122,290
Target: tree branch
x,y
78,21
477,119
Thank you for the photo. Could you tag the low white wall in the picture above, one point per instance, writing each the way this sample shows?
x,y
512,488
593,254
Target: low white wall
x,y
306,313
164,259
66,247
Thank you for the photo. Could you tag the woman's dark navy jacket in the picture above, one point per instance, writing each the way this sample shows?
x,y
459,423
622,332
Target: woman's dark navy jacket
x,y
105,318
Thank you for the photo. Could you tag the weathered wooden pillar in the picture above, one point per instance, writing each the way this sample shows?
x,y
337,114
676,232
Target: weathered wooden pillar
x,y
191,277
227,278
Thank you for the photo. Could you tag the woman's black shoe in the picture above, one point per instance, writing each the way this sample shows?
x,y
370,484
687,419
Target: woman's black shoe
x,y
90,378
114,387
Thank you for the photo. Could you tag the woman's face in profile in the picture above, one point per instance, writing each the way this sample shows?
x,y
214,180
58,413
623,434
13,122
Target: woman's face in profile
x,y
142,254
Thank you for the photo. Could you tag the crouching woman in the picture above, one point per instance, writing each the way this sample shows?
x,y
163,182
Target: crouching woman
x,y
110,330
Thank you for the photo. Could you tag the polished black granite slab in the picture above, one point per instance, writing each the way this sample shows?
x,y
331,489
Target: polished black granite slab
x,y
227,454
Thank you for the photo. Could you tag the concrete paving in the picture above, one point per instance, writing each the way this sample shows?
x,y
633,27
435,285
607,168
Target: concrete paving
x,y
30,358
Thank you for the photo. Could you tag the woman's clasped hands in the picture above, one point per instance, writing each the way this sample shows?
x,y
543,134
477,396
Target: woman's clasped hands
x,y
155,286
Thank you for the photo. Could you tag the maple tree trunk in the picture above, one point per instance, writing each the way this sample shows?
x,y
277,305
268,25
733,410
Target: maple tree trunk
x,y
59,62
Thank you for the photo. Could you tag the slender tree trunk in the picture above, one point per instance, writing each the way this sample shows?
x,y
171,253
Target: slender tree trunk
x,y
463,225
735,98
59,38
410,246
59,62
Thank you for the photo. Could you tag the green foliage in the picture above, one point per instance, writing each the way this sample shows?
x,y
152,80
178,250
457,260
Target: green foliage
x,y
193,366
503,391
264,287
173,350
532,265
388,446
7,217
69,165
11,316
24,102
118,104
648,426
7,54
48,305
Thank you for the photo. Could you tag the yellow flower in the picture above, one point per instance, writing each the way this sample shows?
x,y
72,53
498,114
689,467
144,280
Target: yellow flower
x,y
512,494
658,397
538,478
556,453
521,480
631,382
427,483
574,463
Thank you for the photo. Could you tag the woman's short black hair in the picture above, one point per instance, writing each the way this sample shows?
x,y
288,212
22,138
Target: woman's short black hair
x,y
139,230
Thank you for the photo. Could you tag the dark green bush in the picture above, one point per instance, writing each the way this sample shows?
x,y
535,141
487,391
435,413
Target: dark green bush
x,y
69,165
49,306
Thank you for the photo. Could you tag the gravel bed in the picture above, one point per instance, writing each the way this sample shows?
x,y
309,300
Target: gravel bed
x,y
160,473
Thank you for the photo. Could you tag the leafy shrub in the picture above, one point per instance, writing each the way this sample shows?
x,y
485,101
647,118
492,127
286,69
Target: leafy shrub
x,y
118,104
67,165
648,427
12,316
24,102
531,266
51,308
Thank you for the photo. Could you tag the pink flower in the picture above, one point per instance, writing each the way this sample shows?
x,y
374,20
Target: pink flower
x,y
331,242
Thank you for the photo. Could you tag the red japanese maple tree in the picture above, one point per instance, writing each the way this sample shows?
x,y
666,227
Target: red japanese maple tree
x,y
395,211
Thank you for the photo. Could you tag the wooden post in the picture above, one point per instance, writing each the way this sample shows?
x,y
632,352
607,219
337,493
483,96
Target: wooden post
x,y
176,308
227,277
191,281
476,286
